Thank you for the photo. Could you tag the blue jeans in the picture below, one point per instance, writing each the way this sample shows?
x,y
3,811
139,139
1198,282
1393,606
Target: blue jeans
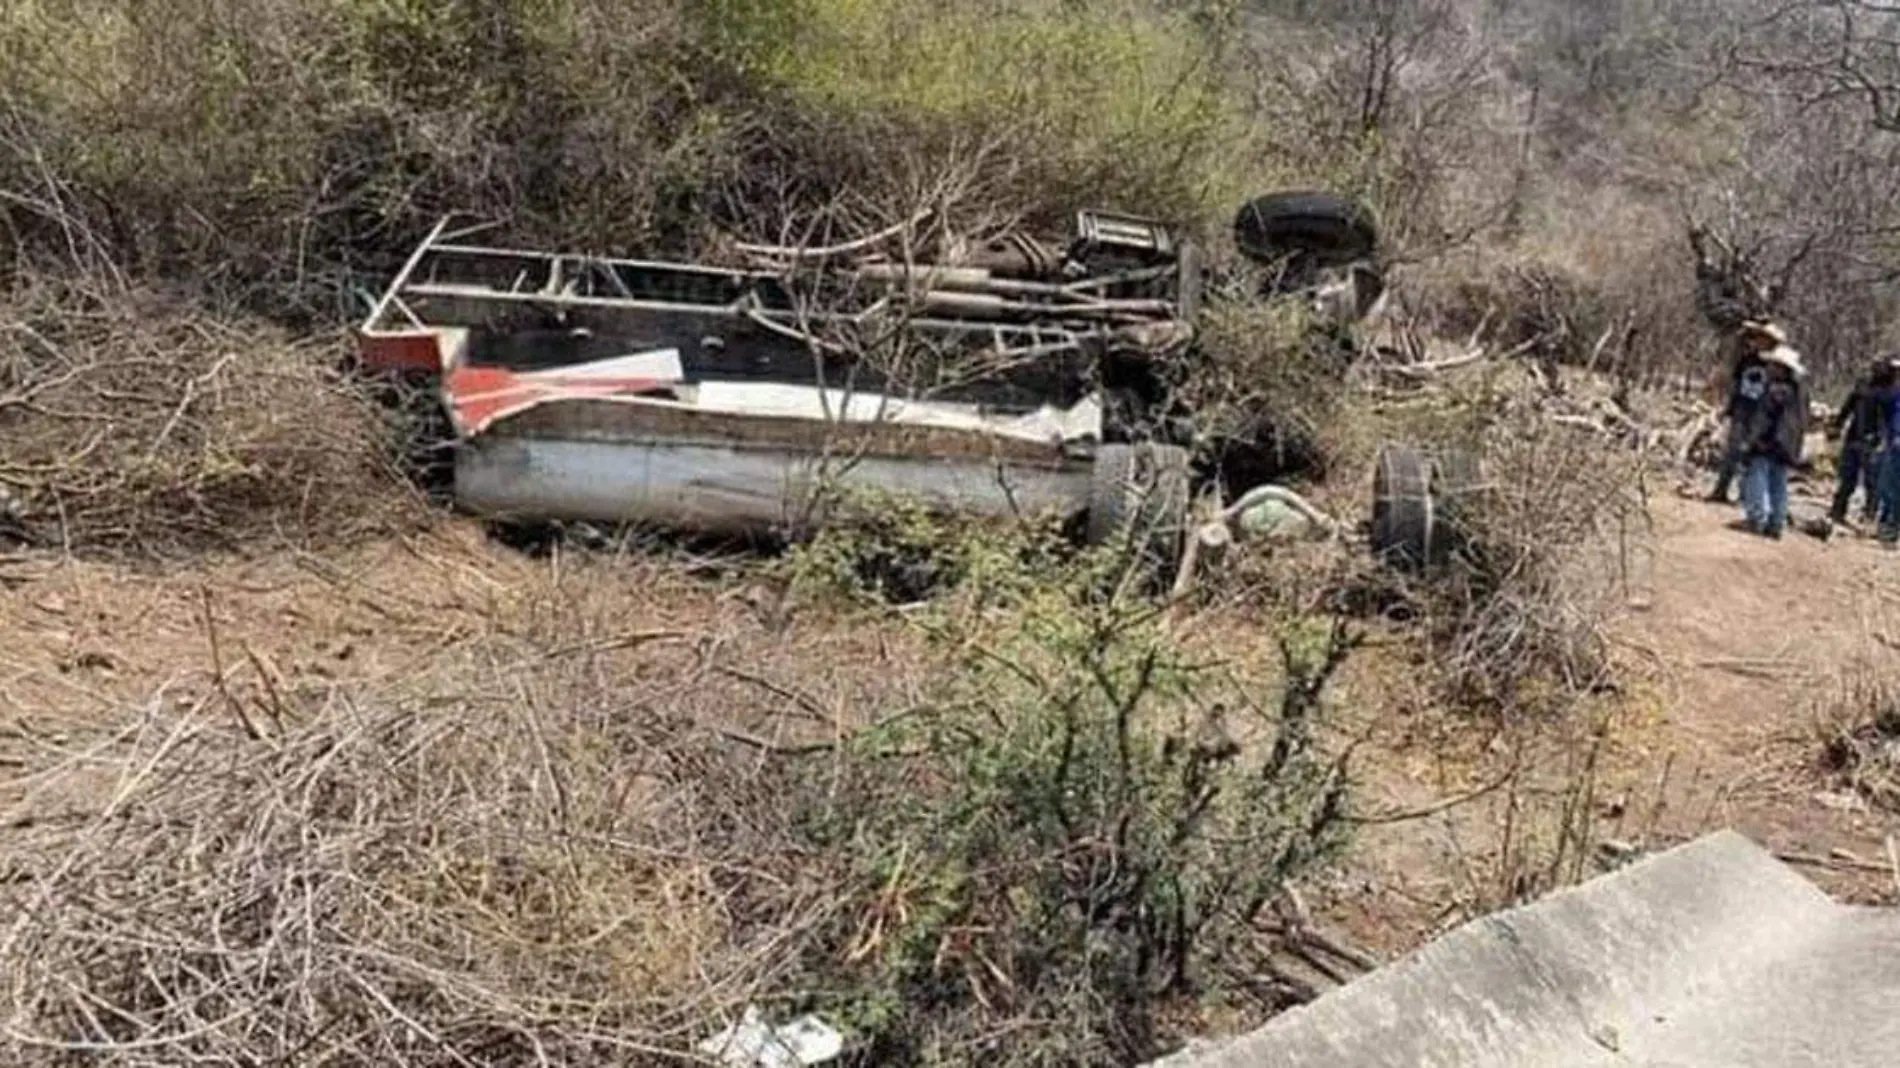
x,y
1765,494
1859,470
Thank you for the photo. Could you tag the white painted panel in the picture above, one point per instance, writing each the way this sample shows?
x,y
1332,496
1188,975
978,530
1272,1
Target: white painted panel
x,y
717,488
1046,424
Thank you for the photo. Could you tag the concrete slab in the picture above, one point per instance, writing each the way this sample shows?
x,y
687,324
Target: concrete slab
x,y
1712,954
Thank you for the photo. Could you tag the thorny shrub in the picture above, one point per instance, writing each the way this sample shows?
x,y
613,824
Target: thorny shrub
x,y
515,852
1620,312
540,842
1859,727
1075,830
1548,515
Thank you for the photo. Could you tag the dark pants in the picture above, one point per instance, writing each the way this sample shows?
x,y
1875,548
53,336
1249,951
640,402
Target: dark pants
x,y
1889,531
1859,470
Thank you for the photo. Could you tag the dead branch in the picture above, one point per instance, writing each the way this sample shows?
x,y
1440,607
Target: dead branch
x,y
1439,807
134,424
799,254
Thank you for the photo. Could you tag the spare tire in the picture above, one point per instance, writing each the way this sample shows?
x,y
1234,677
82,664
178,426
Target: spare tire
x,y
1406,529
1141,491
1421,505
1327,229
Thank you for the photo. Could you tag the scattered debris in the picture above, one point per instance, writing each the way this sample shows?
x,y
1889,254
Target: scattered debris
x,y
1264,513
1866,757
1617,849
752,1043
1838,859
987,374
1841,801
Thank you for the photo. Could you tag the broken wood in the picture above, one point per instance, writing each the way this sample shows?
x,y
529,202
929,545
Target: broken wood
x,y
1206,545
1838,860
794,252
1210,542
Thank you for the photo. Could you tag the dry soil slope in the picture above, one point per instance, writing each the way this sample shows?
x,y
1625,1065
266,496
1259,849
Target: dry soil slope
x,y
1749,643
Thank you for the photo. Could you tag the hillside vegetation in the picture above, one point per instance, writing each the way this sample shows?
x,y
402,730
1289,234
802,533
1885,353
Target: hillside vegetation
x,y
282,153
583,810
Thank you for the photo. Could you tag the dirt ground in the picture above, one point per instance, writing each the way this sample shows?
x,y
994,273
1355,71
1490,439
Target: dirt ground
x,y
1732,646
1750,643
1735,650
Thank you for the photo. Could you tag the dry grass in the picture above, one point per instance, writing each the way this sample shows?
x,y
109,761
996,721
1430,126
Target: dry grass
x,y
134,422
510,829
1523,619
1858,721
425,802
375,885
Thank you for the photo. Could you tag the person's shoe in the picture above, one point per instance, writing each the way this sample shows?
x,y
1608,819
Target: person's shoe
x,y
1772,533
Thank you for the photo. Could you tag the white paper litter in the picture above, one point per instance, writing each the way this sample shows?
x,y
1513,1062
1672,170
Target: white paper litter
x,y
753,1043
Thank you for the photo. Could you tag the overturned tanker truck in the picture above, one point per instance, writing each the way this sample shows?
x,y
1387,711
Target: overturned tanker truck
x,y
1012,376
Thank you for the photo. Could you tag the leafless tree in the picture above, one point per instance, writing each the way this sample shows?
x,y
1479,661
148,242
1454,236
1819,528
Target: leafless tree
x,y
1826,52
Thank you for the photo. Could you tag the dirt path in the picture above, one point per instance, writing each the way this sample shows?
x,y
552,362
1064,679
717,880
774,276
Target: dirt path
x,y
1748,645
1735,649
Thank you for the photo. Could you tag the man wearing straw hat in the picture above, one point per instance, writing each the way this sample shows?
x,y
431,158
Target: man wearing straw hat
x,y
1773,432
1747,379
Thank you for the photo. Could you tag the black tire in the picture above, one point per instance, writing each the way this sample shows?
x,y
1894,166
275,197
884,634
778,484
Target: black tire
x,y
1328,229
1406,531
1141,491
1420,503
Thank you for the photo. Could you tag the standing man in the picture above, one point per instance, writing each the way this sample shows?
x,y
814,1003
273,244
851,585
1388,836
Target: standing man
x,y
1747,381
1772,437
1889,529
1864,417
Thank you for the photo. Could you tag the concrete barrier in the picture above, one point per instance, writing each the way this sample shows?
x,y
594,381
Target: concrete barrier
x,y
1711,954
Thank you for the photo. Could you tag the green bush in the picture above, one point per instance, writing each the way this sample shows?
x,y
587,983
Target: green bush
x,y
1072,833
890,549
283,151
1115,103
271,149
